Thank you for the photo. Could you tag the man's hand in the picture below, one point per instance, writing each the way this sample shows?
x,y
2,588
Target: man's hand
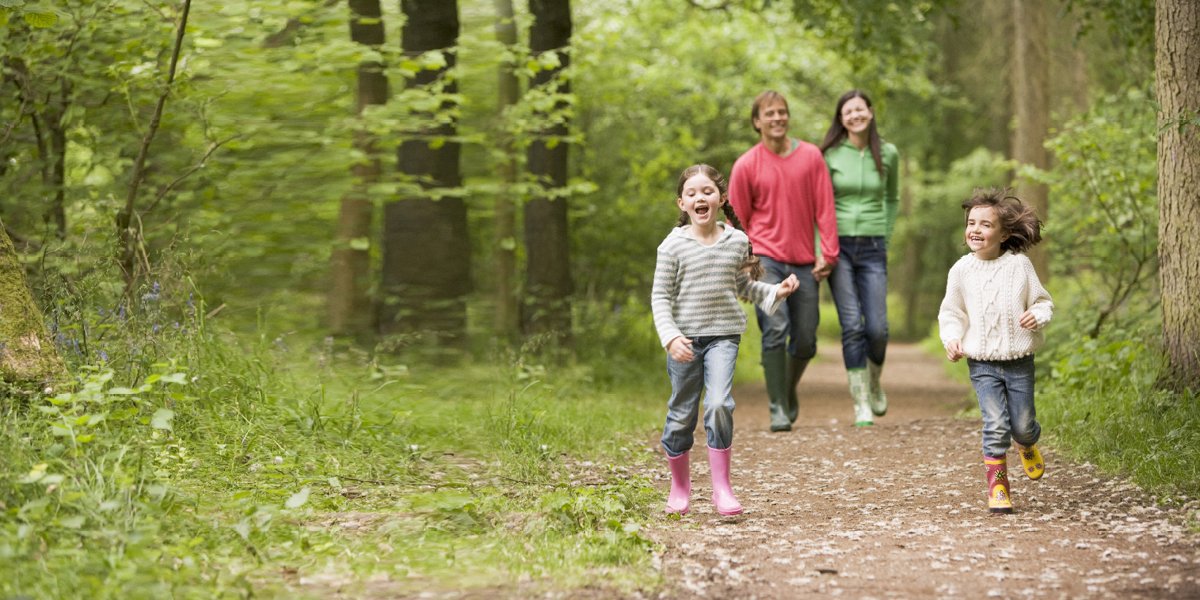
x,y
680,349
821,269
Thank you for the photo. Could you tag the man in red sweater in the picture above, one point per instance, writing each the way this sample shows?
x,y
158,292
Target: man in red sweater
x,y
781,192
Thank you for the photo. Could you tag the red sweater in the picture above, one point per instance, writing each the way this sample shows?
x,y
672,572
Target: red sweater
x,y
780,199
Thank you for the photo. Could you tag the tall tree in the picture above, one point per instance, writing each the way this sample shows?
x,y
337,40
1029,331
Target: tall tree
x,y
349,303
1177,77
1031,108
547,245
507,311
426,253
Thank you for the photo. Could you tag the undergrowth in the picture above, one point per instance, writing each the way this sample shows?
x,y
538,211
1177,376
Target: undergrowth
x,y
187,461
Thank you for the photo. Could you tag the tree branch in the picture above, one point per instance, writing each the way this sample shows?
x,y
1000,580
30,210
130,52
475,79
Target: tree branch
x,y
125,218
196,167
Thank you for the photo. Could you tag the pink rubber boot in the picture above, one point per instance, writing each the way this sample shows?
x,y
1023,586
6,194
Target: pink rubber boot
x,y
722,498
681,484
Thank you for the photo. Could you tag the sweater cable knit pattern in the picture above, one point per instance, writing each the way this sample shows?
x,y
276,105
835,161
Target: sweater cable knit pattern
x,y
983,306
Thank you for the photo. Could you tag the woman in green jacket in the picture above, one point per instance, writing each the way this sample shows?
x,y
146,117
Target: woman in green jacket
x,y
866,184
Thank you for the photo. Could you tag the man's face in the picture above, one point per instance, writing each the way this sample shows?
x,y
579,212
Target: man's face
x,y
772,120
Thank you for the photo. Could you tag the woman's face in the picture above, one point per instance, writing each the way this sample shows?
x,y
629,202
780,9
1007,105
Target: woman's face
x,y
856,116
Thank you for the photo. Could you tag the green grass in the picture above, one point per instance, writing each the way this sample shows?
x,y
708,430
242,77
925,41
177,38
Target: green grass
x,y
243,466
1100,402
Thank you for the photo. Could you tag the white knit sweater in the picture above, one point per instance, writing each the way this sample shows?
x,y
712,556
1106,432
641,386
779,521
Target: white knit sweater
x,y
983,306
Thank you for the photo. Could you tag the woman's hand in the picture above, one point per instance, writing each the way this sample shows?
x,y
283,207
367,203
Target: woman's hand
x,y
680,349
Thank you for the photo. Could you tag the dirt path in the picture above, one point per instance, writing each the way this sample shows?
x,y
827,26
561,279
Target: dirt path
x,y
898,510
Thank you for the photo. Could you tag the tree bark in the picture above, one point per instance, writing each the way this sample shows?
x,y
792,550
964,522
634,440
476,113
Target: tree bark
x,y
1177,77
27,354
547,245
349,304
426,251
507,314
1030,80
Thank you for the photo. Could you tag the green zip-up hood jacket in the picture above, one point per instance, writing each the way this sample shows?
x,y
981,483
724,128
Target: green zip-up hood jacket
x,y
866,203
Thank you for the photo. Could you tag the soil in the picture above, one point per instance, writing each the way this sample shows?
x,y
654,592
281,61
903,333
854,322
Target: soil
x,y
899,510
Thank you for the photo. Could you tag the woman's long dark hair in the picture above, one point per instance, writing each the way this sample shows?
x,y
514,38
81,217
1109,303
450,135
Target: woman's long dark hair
x,y
837,131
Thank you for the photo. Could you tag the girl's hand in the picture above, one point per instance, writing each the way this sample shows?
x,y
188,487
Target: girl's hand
x,y
680,349
954,351
787,286
1028,321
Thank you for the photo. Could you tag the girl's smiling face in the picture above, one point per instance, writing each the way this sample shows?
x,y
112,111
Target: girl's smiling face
x,y
700,198
984,233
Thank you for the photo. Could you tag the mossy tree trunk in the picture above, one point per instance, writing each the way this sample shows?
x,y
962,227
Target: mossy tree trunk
x,y
27,354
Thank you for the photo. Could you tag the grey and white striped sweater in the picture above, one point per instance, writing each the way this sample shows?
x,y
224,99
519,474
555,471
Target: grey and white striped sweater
x,y
696,287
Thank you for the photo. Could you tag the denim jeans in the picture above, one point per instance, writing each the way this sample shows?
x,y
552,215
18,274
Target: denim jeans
x,y
1005,390
859,285
794,324
711,372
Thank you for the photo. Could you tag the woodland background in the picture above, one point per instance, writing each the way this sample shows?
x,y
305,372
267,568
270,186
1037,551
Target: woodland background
x,y
301,256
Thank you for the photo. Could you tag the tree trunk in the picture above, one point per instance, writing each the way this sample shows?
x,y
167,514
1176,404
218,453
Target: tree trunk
x,y
507,315
426,251
1030,80
547,245
1177,76
349,305
27,354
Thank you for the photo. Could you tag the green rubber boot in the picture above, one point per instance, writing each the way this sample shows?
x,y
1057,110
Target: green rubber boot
x,y
774,364
859,391
876,397
796,368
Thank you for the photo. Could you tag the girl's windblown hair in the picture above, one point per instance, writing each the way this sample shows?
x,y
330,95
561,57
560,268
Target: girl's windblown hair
x,y
1019,221
752,266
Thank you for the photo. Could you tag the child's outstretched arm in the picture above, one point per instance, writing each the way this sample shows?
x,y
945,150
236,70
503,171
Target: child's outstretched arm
x,y
787,286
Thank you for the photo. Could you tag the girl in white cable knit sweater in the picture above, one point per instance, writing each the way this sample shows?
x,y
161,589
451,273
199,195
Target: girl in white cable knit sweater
x,y
993,313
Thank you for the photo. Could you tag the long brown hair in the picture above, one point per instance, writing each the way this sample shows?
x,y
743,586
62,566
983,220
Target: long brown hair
x,y
752,265
837,131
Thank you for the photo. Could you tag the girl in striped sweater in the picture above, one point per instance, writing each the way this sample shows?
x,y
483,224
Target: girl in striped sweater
x,y
703,267
993,314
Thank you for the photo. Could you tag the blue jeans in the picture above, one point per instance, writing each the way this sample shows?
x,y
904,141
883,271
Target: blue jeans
x,y
1005,390
794,324
711,372
859,285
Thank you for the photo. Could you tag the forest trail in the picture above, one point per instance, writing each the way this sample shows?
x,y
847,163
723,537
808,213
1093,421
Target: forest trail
x,y
898,510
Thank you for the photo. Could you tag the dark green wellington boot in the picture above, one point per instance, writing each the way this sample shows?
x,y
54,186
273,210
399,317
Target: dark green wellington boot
x,y
796,367
876,397
774,364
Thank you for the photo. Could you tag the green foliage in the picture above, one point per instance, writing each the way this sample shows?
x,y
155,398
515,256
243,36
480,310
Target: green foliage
x,y
209,472
673,103
1103,220
929,236
1101,402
